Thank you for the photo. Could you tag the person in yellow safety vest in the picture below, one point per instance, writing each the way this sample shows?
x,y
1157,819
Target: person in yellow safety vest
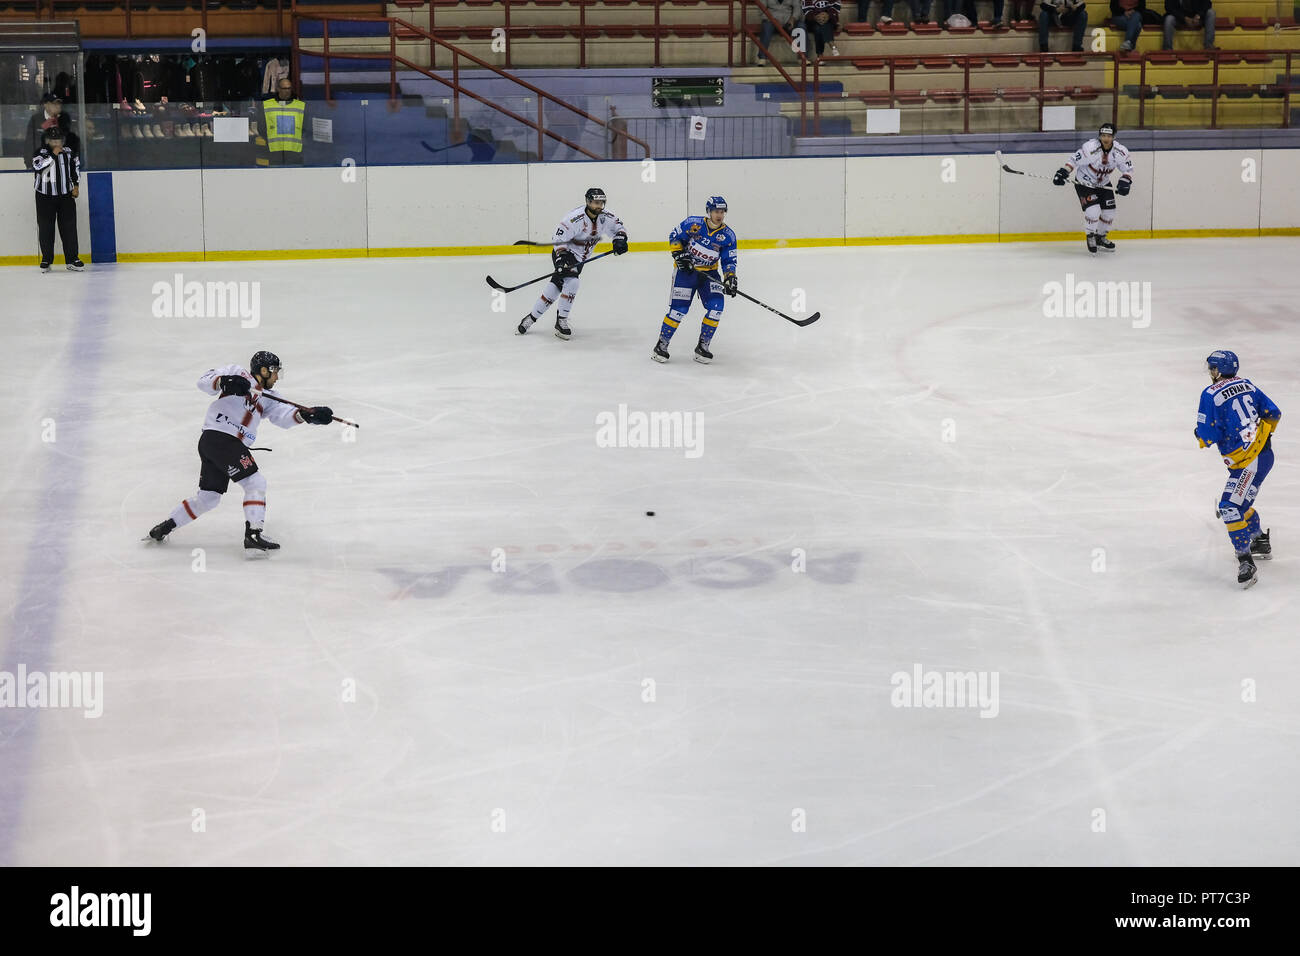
x,y
283,119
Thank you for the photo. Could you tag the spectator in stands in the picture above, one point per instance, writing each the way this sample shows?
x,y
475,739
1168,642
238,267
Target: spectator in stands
x,y
1190,15
48,115
1062,13
1022,10
1129,15
821,18
786,13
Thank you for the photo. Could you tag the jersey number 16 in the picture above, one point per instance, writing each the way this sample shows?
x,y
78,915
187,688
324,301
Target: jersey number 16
x,y
1249,417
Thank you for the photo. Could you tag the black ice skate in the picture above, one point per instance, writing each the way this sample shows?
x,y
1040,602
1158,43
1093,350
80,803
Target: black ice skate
x,y
1246,574
160,531
562,330
703,355
1092,243
525,324
76,265
45,267
253,540
1260,547
660,354
1104,243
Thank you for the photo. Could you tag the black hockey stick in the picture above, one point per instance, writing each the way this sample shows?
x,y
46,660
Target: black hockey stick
x,y
511,288
799,322
529,242
305,408
1019,172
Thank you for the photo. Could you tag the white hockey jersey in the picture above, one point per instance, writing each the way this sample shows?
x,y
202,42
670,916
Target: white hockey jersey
x,y
579,234
239,415
1093,167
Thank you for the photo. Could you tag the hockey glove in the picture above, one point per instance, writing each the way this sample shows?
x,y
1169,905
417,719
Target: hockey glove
x,y
1061,176
1123,186
684,259
620,244
729,284
234,385
566,264
320,415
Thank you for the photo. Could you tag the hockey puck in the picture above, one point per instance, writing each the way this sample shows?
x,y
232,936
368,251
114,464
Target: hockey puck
x,y
649,514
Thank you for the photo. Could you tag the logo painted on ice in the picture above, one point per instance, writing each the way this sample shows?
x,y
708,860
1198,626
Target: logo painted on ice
x,y
622,575
1085,299
651,430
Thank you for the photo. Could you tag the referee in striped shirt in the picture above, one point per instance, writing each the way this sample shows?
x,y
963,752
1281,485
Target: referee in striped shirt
x,y
58,177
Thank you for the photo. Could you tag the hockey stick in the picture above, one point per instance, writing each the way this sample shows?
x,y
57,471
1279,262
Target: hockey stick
x,y
511,288
1018,172
305,408
529,242
799,322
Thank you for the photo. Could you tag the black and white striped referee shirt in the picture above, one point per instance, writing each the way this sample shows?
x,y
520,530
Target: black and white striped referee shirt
x,y
56,175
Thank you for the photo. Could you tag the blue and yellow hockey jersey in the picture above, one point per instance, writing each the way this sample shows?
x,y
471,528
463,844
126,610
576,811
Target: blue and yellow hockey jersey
x,y
710,248
1237,417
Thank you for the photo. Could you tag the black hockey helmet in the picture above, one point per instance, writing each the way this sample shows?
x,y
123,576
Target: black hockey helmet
x,y
595,194
1106,128
264,360
51,134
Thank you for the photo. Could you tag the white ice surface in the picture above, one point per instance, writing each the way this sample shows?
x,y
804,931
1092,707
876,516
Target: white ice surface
x,y
503,717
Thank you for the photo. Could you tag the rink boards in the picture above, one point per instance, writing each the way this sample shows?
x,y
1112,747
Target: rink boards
x,y
194,214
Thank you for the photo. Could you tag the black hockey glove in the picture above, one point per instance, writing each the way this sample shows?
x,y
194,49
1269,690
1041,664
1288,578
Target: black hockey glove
x,y
1061,176
729,284
620,244
320,415
684,259
566,264
1123,186
234,385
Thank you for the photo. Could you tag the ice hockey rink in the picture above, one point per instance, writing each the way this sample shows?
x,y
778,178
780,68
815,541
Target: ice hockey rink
x,y
475,647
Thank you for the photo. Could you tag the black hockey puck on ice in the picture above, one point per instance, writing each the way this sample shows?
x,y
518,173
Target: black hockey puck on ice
x,y
649,514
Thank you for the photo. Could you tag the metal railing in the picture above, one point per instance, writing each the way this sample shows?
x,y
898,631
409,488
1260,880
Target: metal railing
x,y
454,84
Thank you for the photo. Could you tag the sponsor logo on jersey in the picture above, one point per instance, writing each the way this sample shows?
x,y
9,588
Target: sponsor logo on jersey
x,y
1200,418
246,461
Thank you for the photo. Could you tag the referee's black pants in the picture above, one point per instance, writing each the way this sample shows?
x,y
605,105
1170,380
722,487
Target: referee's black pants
x,y
63,210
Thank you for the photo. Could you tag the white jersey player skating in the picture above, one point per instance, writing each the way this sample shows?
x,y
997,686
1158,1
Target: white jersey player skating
x,y
572,243
1093,165
229,430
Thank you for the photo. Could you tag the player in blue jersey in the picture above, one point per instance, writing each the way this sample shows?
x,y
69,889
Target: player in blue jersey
x,y
1239,420
704,253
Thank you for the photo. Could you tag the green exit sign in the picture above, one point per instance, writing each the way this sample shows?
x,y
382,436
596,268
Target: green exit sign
x,y
691,91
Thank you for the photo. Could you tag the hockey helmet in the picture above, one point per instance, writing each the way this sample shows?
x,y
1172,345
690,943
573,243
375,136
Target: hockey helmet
x,y
264,360
715,202
1223,362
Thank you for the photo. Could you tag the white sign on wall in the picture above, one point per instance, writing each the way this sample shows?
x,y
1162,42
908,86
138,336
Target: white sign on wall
x,y
1058,118
230,129
884,121
699,126
322,130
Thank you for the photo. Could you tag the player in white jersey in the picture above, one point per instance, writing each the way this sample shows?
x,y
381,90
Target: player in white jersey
x,y
229,430
574,238
1093,165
